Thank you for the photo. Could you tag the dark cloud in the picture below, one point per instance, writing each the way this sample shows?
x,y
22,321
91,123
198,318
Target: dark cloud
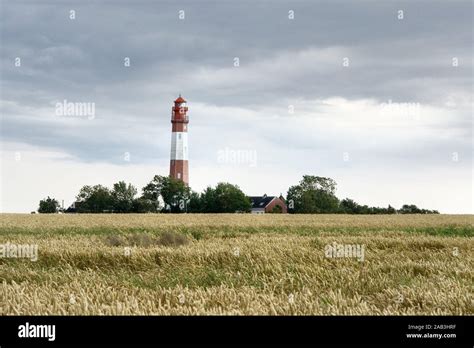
x,y
282,62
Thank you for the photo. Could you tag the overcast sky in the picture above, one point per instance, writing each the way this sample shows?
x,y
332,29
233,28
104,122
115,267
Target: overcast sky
x,y
377,99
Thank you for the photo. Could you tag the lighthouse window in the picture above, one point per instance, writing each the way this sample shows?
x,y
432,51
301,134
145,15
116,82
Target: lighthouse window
x,y
179,136
179,175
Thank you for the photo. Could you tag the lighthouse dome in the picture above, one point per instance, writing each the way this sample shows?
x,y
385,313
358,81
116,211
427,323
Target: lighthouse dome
x,y
180,100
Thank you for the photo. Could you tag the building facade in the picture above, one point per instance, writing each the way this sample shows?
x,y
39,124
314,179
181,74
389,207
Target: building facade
x,y
268,204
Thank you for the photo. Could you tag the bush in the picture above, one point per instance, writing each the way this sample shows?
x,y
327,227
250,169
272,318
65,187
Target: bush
x,y
48,206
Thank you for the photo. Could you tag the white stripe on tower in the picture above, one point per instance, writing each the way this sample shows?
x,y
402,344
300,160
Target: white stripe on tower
x,y
179,146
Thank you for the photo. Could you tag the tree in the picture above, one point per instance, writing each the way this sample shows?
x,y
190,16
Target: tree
x,y
123,197
224,198
94,199
209,200
413,209
391,210
409,209
143,205
48,206
313,194
174,193
195,203
349,206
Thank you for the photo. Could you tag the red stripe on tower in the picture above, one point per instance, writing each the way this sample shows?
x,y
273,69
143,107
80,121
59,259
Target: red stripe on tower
x,y
179,141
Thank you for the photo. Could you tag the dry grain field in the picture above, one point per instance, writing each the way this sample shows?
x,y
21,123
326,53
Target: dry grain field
x,y
157,264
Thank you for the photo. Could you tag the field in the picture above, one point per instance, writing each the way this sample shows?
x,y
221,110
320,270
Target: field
x,y
238,264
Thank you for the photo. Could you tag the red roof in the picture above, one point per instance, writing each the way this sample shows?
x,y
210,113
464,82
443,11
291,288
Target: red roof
x,y
180,100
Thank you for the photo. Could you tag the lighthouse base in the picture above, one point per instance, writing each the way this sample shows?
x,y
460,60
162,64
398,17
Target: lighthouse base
x,y
179,170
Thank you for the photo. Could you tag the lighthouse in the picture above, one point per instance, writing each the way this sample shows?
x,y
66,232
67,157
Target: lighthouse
x,y
179,141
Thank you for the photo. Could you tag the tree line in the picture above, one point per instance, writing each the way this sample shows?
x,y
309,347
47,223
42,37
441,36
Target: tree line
x,y
312,195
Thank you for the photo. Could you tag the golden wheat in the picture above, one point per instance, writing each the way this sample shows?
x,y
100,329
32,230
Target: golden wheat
x,y
45,221
237,264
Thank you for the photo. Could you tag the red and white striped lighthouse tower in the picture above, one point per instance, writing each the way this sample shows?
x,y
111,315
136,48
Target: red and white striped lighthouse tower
x,y
179,141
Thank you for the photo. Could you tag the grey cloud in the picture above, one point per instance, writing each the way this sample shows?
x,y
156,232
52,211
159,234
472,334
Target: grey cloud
x,y
82,61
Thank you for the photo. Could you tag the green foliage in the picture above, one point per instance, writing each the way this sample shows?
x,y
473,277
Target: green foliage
x,y
123,197
314,194
174,193
194,205
391,210
143,205
95,199
48,206
208,200
413,209
349,206
224,198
